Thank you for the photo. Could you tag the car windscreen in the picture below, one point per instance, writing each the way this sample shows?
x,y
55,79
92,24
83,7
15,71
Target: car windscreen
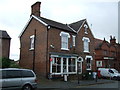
x,y
114,70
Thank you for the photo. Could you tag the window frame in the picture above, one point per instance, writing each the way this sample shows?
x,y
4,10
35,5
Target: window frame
x,y
32,42
86,29
74,37
65,36
86,45
90,64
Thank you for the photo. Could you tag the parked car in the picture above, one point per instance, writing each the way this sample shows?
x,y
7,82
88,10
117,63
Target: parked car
x,y
109,72
13,78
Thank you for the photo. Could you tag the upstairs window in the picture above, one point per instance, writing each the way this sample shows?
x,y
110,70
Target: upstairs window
x,y
64,40
86,44
86,29
32,40
73,40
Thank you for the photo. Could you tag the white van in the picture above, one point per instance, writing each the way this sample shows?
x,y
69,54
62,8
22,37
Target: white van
x,y
13,78
109,72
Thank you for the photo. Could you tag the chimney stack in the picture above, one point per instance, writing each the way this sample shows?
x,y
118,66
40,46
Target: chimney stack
x,y
35,9
112,40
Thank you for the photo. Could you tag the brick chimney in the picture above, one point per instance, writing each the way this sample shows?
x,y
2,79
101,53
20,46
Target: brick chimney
x,y
35,9
112,40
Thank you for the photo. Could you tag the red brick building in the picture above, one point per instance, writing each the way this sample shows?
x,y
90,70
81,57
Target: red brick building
x,y
107,53
50,47
4,44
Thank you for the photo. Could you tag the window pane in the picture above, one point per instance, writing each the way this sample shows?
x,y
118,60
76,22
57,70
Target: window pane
x,y
27,74
86,45
64,65
88,61
64,41
13,74
56,66
71,65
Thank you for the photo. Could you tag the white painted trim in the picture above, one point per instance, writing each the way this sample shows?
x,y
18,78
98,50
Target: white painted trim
x,y
67,65
29,22
65,33
71,28
80,58
74,40
89,57
39,20
85,38
65,49
81,26
90,62
61,64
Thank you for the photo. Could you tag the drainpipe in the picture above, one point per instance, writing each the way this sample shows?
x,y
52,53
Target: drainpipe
x,y
48,27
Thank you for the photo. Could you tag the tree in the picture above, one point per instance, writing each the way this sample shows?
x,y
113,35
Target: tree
x,y
5,62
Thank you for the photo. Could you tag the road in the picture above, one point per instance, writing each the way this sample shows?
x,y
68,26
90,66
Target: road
x,y
116,84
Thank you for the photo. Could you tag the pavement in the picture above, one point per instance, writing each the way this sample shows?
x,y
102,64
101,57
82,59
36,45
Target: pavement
x,y
45,83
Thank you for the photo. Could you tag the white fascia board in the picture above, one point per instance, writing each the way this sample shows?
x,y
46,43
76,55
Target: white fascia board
x,y
71,28
40,20
29,22
81,26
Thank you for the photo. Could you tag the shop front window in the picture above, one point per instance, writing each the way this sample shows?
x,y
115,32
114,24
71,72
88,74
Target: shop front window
x,y
71,64
56,65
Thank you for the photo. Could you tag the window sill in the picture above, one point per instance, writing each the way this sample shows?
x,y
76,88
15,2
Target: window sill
x,y
88,69
31,49
86,32
86,52
65,49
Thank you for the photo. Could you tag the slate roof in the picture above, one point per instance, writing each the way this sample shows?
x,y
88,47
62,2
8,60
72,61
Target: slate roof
x,y
73,26
56,24
77,25
98,43
4,35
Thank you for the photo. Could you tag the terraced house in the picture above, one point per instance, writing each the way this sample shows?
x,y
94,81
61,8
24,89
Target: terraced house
x,y
52,48
107,53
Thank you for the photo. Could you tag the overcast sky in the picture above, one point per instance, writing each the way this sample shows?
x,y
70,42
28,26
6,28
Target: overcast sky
x,y
102,16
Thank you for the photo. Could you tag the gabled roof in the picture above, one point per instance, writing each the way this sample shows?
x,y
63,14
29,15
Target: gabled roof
x,y
73,27
4,35
98,43
56,24
76,25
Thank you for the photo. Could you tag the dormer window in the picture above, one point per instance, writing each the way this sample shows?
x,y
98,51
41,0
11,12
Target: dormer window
x,y
86,29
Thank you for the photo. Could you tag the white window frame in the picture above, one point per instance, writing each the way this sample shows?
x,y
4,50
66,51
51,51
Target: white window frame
x,y
90,62
73,36
99,65
86,28
86,44
63,35
32,41
62,72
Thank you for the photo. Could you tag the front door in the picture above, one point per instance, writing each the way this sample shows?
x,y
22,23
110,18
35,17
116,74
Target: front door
x,y
79,67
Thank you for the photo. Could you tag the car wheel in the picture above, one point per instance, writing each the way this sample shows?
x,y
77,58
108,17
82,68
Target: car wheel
x,y
27,87
115,78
